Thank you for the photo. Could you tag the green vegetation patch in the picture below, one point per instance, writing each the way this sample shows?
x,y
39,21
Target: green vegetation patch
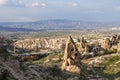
x,y
113,60
51,59
112,51
109,69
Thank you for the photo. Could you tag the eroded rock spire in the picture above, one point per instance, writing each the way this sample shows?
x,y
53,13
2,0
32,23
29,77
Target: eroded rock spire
x,y
72,61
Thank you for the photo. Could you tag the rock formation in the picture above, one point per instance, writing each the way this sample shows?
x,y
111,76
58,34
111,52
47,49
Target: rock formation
x,y
12,69
114,39
72,62
82,45
118,47
115,43
96,49
106,44
40,43
87,49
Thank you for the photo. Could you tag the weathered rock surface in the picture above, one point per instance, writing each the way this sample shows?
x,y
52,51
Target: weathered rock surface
x,y
12,69
101,59
114,39
35,44
72,62
87,49
106,44
81,44
41,43
111,43
118,47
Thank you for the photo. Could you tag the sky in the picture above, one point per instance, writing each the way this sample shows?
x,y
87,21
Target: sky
x,y
84,10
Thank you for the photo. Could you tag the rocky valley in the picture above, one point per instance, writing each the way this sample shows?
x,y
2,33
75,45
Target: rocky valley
x,y
73,55
59,39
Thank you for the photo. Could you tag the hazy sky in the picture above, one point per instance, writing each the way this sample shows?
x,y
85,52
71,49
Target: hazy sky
x,y
86,10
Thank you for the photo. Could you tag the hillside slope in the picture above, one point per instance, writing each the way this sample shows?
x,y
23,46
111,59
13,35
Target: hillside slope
x,y
11,69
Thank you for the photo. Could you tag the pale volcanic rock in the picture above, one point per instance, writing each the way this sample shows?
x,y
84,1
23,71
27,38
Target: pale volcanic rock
x,y
33,44
106,44
87,49
118,47
81,45
114,39
73,69
72,62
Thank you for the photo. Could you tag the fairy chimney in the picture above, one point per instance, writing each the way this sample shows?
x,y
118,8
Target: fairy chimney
x,y
82,44
114,39
72,62
118,47
106,44
87,49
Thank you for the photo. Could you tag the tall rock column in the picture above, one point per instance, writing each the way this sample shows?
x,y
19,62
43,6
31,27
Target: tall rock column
x,y
114,39
72,62
82,44
118,47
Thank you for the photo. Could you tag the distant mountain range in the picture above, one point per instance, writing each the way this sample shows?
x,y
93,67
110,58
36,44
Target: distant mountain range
x,y
57,24
9,29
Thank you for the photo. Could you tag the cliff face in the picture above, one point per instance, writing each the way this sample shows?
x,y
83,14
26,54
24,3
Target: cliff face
x,y
33,44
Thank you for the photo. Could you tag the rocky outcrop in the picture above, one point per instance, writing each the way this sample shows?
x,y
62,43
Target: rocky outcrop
x,y
118,47
81,44
12,69
41,43
72,61
87,49
112,43
102,59
106,44
115,42
114,39
36,44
